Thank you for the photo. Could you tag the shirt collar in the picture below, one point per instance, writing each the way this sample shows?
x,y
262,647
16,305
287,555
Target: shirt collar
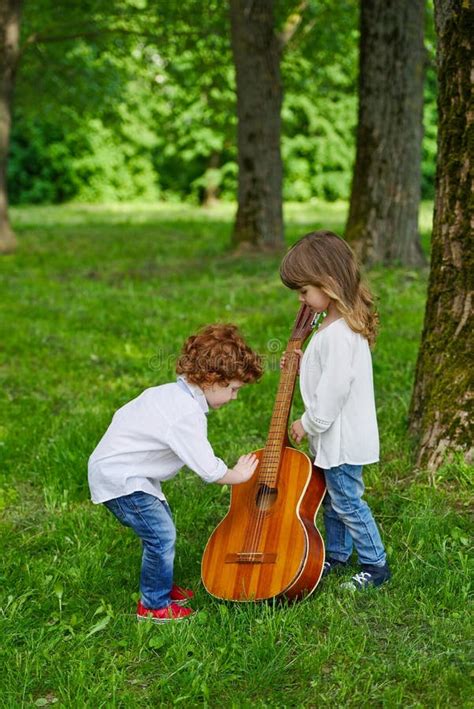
x,y
195,391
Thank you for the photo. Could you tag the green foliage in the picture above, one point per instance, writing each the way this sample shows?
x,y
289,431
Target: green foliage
x,y
111,168
39,168
319,110
95,306
93,163
430,119
138,101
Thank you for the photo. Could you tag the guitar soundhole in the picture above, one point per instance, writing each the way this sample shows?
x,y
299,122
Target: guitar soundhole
x,y
266,497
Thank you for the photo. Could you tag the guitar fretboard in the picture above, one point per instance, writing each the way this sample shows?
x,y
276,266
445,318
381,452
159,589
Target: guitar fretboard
x,y
277,434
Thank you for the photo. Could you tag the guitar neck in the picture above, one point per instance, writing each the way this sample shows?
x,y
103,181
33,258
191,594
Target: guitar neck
x,y
278,431
277,434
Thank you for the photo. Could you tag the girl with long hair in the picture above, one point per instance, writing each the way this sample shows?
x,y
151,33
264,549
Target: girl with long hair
x,y
337,389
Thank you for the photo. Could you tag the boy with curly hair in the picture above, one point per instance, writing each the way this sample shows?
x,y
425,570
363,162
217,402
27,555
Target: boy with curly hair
x,y
152,437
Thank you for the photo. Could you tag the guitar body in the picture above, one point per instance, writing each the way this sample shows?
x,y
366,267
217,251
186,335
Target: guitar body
x,y
268,545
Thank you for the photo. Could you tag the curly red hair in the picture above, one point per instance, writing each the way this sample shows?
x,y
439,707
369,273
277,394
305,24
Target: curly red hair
x,y
216,355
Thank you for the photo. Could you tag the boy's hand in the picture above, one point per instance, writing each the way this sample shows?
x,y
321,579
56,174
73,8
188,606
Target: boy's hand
x,y
242,470
246,466
284,358
297,431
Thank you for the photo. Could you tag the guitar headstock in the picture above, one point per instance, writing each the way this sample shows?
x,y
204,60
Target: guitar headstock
x,y
304,323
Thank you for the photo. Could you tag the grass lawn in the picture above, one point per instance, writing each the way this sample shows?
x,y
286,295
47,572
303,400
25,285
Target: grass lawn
x,y
94,308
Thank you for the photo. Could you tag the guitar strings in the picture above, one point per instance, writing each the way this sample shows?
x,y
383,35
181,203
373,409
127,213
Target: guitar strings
x,y
272,454
265,478
275,449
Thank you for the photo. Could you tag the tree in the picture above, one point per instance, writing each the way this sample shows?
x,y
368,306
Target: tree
x,y
10,13
383,215
441,407
256,50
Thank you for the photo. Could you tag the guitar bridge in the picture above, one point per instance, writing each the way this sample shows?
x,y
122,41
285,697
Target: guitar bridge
x,y
250,557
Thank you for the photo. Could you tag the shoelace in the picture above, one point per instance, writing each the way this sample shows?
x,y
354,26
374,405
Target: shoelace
x,y
362,577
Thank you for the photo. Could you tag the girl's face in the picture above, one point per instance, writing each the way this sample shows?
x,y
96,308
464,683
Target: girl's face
x,y
218,395
314,297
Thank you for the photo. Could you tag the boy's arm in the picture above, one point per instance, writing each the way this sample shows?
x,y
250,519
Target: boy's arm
x,y
187,438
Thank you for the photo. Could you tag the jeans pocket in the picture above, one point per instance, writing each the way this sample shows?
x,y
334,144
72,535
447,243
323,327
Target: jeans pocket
x,y
349,470
114,507
141,501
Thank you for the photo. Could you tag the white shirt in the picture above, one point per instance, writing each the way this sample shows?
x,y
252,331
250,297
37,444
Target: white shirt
x,y
150,439
338,394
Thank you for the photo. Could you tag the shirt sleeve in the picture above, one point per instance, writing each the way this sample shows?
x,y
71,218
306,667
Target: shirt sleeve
x,y
333,387
187,438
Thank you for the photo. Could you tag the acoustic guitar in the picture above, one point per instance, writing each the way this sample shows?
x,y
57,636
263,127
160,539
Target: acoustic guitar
x,y
268,545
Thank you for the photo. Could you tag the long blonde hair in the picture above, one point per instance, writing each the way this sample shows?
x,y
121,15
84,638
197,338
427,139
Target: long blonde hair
x,y
323,259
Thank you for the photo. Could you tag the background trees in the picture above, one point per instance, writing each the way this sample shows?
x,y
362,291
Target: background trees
x,y
10,12
256,51
113,101
163,103
383,216
441,409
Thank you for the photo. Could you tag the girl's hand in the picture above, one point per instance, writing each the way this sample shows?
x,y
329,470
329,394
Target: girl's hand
x,y
284,358
297,431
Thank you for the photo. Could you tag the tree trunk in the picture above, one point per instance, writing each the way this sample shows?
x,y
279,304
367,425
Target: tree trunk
x,y
441,408
210,194
256,50
383,218
10,11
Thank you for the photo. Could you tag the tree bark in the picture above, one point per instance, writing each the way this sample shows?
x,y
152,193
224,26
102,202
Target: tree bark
x,y
257,50
441,408
210,195
382,225
10,12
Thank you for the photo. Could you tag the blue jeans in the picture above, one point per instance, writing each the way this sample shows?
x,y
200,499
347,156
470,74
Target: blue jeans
x,y
348,519
151,519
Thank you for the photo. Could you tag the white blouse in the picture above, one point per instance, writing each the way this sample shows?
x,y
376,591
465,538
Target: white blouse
x,y
150,439
338,393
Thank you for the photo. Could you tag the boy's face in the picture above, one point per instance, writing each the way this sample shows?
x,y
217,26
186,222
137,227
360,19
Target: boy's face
x,y
218,395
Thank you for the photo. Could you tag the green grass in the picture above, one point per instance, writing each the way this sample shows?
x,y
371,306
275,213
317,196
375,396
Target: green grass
x,y
95,306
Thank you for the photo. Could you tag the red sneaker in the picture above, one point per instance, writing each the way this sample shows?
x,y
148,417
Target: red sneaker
x,y
163,615
181,595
